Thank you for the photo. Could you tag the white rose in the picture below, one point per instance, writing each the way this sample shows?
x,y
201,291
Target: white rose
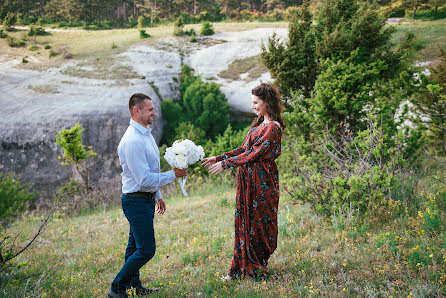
x,y
181,162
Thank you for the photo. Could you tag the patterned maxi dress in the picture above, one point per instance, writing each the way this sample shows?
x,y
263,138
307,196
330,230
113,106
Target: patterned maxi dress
x,y
257,199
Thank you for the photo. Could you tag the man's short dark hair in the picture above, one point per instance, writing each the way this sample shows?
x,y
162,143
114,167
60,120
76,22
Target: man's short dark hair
x,y
137,99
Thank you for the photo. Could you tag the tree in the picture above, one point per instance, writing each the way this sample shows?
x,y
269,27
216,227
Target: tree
x,y
342,26
75,153
206,107
294,63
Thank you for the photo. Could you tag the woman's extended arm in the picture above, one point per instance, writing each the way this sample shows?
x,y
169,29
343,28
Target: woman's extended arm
x,y
266,147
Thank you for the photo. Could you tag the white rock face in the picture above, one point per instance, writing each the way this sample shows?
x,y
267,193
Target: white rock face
x,y
209,62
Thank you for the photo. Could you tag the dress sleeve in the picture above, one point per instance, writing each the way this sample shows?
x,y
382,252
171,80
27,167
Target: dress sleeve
x,y
234,152
265,147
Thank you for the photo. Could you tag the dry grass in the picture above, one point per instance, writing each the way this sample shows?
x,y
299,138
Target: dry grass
x,y
251,67
194,248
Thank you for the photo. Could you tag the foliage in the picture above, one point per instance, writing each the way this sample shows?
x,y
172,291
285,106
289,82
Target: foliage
x,y
141,22
3,34
14,43
9,21
295,63
178,27
360,170
143,34
14,195
73,198
430,105
186,130
207,29
193,37
75,153
227,141
202,104
33,31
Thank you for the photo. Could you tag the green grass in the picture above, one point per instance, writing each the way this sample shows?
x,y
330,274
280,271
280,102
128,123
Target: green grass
x,y
431,35
252,66
194,248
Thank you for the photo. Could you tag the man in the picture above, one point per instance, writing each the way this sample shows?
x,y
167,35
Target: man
x,y
141,179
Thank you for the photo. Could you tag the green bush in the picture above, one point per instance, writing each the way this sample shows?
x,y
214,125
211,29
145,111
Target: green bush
x,y
206,107
14,196
207,29
75,153
143,34
12,42
334,171
9,21
178,27
141,22
3,34
202,104
186,130
52,53
33,47
226,141
193,37
33,31
47,47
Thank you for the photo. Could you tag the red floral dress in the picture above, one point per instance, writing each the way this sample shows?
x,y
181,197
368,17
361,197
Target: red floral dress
x,y
257,199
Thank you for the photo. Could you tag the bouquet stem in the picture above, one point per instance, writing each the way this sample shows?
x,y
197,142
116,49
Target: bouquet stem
x,y
182,181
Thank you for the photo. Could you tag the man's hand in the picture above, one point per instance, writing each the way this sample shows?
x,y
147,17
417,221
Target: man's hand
x,y
160,206
209,161
216,168
180,172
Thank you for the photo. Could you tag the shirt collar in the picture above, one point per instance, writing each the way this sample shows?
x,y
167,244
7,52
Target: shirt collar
x,y
140,128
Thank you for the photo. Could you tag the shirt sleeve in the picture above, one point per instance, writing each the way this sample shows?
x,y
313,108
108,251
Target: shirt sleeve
x,y
138,166
158,195
265,147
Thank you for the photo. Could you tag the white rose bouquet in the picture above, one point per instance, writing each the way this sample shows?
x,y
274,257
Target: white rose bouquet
x,y
182,154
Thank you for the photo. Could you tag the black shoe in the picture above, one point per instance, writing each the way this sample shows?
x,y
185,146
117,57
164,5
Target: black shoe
x,y
141,291
112,294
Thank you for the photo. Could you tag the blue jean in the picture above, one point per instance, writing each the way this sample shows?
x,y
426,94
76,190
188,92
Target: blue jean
x,y
141,244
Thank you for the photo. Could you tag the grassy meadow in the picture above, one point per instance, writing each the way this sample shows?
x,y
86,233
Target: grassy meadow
x,y
79,256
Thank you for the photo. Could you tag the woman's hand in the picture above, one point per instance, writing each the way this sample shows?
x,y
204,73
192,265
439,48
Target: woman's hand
x,y
209,161
216,168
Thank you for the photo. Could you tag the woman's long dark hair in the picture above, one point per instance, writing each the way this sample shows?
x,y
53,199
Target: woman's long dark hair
x,y
274,107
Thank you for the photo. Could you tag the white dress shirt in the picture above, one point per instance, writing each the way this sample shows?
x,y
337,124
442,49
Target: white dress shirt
x,y
140,161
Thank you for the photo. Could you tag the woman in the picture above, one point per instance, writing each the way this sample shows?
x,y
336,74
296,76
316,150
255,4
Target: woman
x,y
257,197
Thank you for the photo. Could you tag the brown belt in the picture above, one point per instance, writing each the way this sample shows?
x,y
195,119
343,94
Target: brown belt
x,y
140,194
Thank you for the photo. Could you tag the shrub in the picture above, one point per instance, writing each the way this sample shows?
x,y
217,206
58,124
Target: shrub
x,y
13,196
178,27
359,171
226,141
12,42
141,22
193,37
3,34
207,29
143,34
24,60
33,47
47,47
52,53
186,130
75,153
114,46
33,31
72,198
9,21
